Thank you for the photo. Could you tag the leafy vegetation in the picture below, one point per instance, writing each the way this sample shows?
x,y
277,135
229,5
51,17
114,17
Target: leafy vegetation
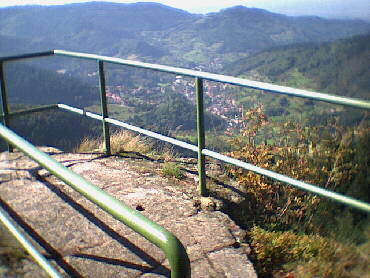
x,y
288,254
171,169
338,68
296,233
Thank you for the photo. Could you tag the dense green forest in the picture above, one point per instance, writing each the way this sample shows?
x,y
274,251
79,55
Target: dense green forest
x,y
28,86
58,129
338,68
175,113
31,85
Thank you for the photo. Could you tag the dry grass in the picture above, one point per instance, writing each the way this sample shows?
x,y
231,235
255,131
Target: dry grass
x,y
121,141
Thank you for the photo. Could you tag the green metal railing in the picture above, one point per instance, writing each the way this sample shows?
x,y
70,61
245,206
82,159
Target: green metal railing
x,y
171,246
200,149
27,245
199,77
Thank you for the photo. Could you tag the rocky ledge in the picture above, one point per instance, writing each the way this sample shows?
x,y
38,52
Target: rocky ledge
x,y
83,241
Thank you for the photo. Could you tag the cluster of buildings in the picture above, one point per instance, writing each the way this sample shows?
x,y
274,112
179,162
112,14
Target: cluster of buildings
x,y
217,99
114,98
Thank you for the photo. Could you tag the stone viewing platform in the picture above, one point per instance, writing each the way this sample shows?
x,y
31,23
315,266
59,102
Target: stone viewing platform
x,y
84,241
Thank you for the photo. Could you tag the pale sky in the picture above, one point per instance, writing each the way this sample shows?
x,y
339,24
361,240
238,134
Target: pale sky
x,y
324,8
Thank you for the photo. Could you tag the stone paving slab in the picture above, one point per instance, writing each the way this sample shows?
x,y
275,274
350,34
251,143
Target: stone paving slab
x,y
87,242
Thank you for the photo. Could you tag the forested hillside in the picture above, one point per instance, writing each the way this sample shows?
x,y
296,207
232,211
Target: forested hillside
x,y
215,42
98,27
340,67
154,32
31,85
236,32
63,130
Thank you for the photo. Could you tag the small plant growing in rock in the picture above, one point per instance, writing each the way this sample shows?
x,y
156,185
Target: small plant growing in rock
x,y
171,169
288,254
11,255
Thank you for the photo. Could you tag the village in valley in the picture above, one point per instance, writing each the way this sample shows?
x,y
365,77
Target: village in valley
x,y
218,98
217,101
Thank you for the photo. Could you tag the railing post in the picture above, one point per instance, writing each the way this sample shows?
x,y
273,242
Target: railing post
x,y
4,102
104,109
201,138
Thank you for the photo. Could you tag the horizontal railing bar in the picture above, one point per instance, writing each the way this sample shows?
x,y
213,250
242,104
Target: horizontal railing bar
x,y
152,134
80,111
276,176
31,110
27,245
27,56
352,102
296,183
357,103
170,245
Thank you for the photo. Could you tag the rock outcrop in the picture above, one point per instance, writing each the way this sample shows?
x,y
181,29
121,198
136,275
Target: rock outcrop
x,y
84,241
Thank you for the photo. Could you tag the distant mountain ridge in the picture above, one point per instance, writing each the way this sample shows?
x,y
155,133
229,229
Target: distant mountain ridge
x,y
340,67
236,41
155,32
256,29
90,27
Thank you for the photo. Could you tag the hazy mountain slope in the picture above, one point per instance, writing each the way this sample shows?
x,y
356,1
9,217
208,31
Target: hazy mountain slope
x,y
155,32
242,29
10,45
236,32
29,85
96,27
340,67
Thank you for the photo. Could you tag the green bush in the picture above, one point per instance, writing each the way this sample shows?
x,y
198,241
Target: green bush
x,y
171,169
11,252
273,251
287,254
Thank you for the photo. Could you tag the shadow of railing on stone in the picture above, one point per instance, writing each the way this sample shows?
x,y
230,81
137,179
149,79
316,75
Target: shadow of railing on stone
x,y
52,252
102,226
